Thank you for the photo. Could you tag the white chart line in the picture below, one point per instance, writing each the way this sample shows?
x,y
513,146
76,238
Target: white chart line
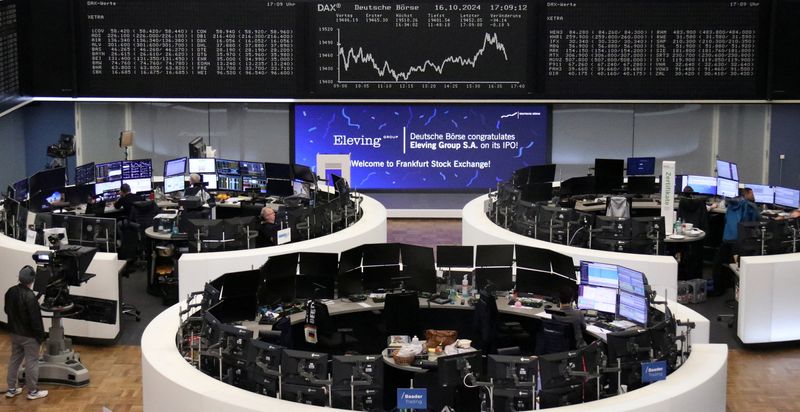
x,y
346,58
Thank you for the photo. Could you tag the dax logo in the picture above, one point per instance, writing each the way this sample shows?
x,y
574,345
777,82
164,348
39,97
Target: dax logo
x,y
329,7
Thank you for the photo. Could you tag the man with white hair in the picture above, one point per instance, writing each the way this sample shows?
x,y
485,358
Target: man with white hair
x,y
196,188
27,334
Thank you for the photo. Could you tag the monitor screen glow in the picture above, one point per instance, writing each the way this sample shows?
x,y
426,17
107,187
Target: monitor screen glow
x,y
763,193
175,167
597,298
787,197
174,184
202,166
727,188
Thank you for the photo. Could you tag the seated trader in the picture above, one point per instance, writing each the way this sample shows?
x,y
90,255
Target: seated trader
x,y
196,188
267,229
126,199
740,209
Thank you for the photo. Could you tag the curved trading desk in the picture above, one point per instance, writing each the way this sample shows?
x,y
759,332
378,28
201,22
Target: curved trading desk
x,y
14,254
768,289
478,229
170,383
195,269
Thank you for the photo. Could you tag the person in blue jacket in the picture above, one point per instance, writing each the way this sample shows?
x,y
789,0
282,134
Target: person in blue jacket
x,y
740,209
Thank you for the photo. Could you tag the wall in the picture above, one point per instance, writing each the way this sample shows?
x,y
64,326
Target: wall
x,y
691,134
12,141
44,123
784,139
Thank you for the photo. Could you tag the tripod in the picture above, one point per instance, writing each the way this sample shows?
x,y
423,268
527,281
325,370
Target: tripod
x,y
60,365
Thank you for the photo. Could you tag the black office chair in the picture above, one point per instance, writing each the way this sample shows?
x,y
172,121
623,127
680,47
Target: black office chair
x,y
554,336
401,314
328,334
490,334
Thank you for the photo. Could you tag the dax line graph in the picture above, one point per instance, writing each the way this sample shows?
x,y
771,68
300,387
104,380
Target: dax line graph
x,y
346,58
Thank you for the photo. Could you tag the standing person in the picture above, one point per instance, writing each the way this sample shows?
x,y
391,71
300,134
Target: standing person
x,y
741,209
27,334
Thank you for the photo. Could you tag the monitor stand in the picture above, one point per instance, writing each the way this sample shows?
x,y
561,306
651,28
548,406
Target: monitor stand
x,y
60,365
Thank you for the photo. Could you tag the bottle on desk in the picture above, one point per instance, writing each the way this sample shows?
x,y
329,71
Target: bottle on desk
x,y
465,288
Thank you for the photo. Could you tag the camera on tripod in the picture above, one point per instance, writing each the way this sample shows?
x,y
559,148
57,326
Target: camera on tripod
x,y
59,268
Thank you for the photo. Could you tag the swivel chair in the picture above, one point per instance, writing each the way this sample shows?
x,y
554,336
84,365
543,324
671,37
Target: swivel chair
x,y
618,206
328,334
401,314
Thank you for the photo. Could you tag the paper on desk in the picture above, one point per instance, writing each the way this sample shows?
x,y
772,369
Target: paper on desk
x,y
544,315
364,305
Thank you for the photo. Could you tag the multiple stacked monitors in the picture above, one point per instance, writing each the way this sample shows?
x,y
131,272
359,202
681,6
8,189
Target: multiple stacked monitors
x,y
174,184
609,174
641,166
84,175
706,185
138,174
615,290
727,170
20,190
108,177
44,180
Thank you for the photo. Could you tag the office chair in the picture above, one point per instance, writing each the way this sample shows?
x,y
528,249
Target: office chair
x,y
401,314
491,335
554,336
328,334
618,206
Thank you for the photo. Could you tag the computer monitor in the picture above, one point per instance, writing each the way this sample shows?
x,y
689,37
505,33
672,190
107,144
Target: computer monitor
x,y
578,186
137,169
499,278
316,275
452,371
753,238
196,147
631,281
494,255
175,167
533,258
303,173
84,174
202,166
278,171
254,184
506,370
633,308
597,298
349,283
787,197
227,167
704,185
599,274
209,181
174,184
365,370
534,174
252,169
609,174
303,368
377,254
558,387
20,190
105,187
612,245
282,188
563,265
763,194
727,188
536,192
44,180
734,172
229,183
725,170
552,286
610,227
455,256
108,172
641,166
631,347
140,185
642,185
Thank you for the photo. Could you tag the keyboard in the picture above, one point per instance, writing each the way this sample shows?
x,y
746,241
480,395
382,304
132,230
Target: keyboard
x,y
608,326
357,298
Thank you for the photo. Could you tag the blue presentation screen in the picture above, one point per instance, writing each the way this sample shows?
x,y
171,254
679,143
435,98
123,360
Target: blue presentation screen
x,y
451,147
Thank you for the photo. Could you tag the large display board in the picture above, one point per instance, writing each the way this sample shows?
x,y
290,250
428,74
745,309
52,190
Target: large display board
x,y
422,49
9,54
211,48
527,49
441,147
646,49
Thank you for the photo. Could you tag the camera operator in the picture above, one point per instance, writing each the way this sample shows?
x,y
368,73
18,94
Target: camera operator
x,y
27,334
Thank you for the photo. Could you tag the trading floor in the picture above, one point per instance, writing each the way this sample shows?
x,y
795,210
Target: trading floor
x,y
756,376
